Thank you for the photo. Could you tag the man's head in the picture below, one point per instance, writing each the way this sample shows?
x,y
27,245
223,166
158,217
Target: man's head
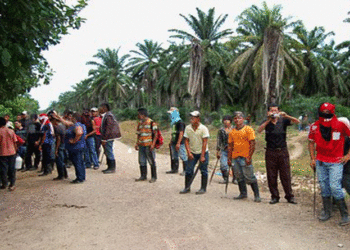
x,y
195,118
104,107
238,118
174,115
142,113
273,108
34,117
326,110
227,120
18,125
7,117
19,117
2,122
24,114
94,111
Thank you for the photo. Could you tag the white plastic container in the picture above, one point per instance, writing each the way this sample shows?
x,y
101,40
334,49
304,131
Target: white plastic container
x,y
19,161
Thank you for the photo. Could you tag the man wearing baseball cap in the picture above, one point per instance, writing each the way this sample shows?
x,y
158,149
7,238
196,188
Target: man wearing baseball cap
x,y
327,137
196,142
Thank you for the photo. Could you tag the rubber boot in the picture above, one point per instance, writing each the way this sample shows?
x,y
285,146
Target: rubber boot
x,y
234,180
174,167
242,191
187,188
111,167
153,173
255,188
143,170
184,166
224,176
343,212
204,184
108,166
327,209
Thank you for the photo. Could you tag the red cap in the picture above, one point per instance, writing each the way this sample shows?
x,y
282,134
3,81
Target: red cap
x,y
327,106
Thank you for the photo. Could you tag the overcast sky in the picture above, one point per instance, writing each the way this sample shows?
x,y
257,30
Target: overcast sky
x,y
115,23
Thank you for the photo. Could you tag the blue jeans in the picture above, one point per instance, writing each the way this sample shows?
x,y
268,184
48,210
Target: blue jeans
x,y
182,152
77,159
242,171
203,166
90,154
61,167
145,154
330,177
108,148
223,160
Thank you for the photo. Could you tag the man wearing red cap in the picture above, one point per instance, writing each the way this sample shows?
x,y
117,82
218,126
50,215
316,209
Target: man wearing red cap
x,y
327,137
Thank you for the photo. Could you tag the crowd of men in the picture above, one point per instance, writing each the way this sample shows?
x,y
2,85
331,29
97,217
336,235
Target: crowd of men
x,y
74,138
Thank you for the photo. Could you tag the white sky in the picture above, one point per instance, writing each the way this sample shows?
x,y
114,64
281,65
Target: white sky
x,y
116,23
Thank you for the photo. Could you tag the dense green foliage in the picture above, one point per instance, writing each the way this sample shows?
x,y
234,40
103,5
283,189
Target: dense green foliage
x,y
26,29
19,104
268,58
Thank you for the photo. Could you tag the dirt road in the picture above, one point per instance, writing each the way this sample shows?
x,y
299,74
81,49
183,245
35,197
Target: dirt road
x,y
114,212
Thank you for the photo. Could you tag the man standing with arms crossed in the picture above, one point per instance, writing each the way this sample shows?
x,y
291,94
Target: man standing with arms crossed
x,y
196,142
277,156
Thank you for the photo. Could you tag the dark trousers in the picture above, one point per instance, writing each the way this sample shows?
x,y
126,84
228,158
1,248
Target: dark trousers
x,y
98,145
61,167
78,161
7,170
46,149
277,162
32,149
346,182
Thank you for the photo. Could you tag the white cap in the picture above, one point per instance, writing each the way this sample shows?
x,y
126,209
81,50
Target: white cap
x,y
195,113
94,109
172,109
24,112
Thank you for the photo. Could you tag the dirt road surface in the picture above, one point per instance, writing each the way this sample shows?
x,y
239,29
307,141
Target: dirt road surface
x,y
114,212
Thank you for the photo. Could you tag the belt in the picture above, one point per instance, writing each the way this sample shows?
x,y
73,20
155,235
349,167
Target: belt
x,y
275,149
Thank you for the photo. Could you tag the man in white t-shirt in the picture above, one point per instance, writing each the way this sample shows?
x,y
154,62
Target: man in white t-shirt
x,y
196,142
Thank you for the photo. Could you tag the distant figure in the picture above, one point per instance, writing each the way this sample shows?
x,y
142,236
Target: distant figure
x,y
33,141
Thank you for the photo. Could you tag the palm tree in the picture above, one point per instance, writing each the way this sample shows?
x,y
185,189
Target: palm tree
x,y
265,61
109,81
144,66
206,32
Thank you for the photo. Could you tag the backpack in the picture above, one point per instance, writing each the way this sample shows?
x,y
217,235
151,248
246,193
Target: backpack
x,y
160,139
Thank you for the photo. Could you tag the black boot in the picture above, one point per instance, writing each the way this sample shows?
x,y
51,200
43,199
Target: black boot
x,y
255,188
174,167
327,209
143,170
184,166
343,212
108,165
242,191
187,188
224,176
204,184
153,173
111,167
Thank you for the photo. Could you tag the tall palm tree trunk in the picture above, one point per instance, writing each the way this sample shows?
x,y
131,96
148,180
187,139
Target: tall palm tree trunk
x,y
195,80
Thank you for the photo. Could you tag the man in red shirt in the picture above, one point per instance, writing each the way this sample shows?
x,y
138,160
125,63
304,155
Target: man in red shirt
x,y
8,149
98,120
327,137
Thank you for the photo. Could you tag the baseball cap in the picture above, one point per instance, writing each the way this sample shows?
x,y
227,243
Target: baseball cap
x,y
24,112
195,113
94,109
172,109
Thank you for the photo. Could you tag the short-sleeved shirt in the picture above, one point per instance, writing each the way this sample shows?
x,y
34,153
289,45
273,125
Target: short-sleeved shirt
x,y
98,121
33,132
276,135
46,129
145,131
8,141
196,137
329,151
60,131
175,133
240,138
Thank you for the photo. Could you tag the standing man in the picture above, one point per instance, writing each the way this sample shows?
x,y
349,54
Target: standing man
x,y
326,137
147,135
45,144
241,147
33,140
196,142
277,156
9,124
177,143
97,119
109,132
8,149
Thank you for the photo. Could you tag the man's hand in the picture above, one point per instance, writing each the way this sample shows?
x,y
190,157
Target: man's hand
x,y
218,154
103,143
151,147
345,159
248,160
71,141
283,114
86,137
136,147
202,159
177,147
313,164
36,143
56,152
190,156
